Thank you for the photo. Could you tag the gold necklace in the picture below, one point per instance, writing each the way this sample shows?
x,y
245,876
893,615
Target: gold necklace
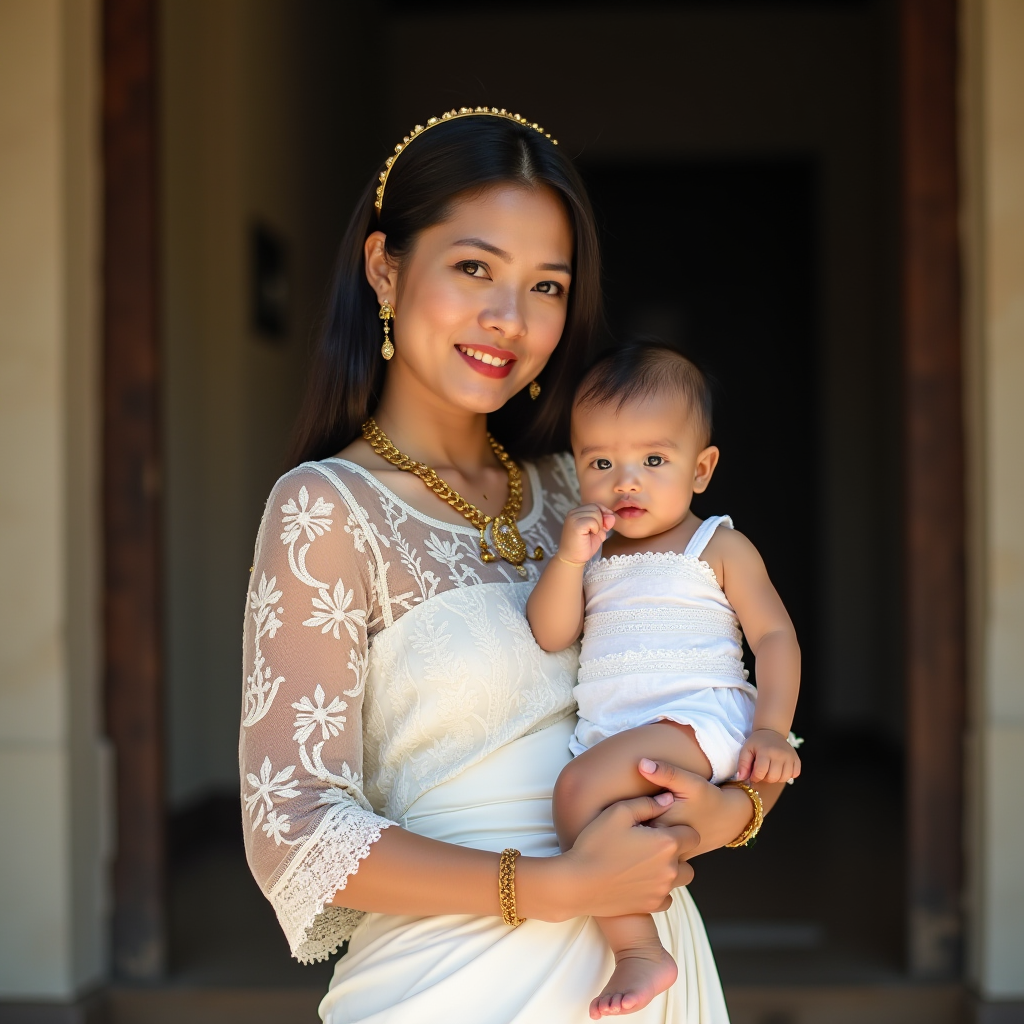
x,y
505,532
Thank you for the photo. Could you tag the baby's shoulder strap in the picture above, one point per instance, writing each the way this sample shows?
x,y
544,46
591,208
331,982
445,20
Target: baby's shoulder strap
x,y
706,530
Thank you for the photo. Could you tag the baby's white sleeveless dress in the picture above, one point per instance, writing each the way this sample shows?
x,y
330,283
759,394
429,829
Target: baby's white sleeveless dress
x,y
661,642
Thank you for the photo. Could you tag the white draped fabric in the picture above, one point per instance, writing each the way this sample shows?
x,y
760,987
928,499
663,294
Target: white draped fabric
x,y
477,970
387,671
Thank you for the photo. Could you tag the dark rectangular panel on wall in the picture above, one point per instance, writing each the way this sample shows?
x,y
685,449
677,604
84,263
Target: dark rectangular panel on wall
x,y
934,485
131,481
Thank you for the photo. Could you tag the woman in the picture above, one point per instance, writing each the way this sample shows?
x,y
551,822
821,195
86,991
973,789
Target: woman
x,y
401,728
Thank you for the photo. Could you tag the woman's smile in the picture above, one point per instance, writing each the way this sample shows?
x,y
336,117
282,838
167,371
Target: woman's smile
x,y
491,362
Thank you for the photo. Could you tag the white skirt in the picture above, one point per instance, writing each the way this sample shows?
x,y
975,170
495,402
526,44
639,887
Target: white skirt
x,y
462,969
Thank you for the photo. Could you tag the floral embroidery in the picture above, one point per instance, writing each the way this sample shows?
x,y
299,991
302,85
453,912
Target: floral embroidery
x,y
260,688
276,826
333,612
268,788
310,715
315,521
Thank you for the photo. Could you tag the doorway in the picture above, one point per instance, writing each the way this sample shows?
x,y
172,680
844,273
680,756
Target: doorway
x,y
770,178
730,272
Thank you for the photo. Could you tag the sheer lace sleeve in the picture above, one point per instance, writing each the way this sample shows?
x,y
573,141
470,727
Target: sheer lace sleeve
x,y
309,615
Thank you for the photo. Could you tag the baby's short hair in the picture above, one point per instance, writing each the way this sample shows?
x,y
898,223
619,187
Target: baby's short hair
x,y
640,369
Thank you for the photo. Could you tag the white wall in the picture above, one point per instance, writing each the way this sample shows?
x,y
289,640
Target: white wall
x,y
993,148
53,822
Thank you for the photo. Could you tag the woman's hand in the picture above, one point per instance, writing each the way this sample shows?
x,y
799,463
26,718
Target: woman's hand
x,y
719,815
617,866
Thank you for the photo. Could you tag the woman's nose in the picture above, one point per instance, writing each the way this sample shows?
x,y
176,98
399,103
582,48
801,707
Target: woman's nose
x,y
505,316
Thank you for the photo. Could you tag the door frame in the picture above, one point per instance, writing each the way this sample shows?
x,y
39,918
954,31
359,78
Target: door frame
x,y
132,472
934,529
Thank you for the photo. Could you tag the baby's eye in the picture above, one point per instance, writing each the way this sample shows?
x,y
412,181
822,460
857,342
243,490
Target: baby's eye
x,y
602,463
654,460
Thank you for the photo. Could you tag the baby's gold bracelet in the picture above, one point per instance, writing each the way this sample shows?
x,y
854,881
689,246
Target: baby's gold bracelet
x,y
507,888
577,565
754,826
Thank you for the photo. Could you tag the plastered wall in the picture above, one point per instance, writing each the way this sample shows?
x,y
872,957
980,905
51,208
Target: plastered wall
x,y
993,164
259,123
54,819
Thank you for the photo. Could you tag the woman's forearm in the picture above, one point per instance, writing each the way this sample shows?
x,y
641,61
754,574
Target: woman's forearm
x,y
407,873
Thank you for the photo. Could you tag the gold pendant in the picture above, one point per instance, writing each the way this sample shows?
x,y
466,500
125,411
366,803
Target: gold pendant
x,y
510,544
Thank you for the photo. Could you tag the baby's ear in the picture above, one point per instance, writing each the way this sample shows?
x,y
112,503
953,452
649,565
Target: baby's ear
x,y
705,468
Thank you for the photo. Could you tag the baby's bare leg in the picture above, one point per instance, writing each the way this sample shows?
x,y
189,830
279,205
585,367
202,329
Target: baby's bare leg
x,y
608,772
599,777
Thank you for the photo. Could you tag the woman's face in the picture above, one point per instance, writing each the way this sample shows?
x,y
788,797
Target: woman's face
x,y
480,302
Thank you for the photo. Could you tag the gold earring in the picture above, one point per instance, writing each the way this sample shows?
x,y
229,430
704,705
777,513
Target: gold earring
x,y
534,390
387,312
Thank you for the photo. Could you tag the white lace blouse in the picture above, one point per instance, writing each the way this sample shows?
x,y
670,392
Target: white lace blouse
x,y
382,657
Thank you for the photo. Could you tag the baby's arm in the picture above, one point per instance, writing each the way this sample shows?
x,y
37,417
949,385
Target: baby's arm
x,y
555,608
766,756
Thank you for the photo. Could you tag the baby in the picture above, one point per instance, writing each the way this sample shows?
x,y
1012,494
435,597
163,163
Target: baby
x,y
661,671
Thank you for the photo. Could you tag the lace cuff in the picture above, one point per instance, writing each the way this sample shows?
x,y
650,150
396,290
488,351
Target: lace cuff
x,y
302,895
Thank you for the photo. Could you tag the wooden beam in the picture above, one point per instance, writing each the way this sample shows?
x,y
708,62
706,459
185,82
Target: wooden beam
x,y
934,485
131,484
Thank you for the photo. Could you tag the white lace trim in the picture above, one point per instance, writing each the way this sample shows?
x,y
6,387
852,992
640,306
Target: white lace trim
x,y
649,563
301,897
634,662
706,621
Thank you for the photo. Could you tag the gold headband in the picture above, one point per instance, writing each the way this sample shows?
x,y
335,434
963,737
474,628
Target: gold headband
x,y
450,115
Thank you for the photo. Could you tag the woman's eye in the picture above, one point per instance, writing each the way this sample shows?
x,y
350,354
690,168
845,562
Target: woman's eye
x,y
653,460
549,288
472,269
602,464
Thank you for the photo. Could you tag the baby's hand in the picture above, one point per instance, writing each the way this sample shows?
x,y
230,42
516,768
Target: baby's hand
x,y
584,532
767,757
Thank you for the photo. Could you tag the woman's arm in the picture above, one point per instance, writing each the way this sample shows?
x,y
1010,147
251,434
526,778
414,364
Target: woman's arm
x,y
616,867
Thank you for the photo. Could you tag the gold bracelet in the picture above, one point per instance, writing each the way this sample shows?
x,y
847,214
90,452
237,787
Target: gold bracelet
x,y
507,888
747,835
567,562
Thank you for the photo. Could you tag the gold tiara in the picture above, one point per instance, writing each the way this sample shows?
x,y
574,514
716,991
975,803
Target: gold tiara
x,y
451,115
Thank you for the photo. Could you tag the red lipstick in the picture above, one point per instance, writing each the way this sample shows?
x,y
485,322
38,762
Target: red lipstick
x,y
487,360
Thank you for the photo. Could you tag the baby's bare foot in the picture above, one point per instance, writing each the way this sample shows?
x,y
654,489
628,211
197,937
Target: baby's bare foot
x,y
640,974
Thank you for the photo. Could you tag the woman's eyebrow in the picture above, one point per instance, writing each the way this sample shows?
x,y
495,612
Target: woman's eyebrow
x,y
561,267
479,243
506,257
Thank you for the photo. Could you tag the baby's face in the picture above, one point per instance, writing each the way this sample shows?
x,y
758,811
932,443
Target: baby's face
x,y
643,461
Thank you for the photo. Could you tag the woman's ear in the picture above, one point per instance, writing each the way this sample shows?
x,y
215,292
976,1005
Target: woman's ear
x,y
379,271
706,462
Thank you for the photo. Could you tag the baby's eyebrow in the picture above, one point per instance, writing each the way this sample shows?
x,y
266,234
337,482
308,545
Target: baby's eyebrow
x,y
644,445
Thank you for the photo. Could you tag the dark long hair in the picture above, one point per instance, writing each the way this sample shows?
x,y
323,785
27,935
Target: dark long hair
x,y
449,162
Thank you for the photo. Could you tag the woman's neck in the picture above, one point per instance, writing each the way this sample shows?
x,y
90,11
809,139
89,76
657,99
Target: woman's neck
x,y
426,428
